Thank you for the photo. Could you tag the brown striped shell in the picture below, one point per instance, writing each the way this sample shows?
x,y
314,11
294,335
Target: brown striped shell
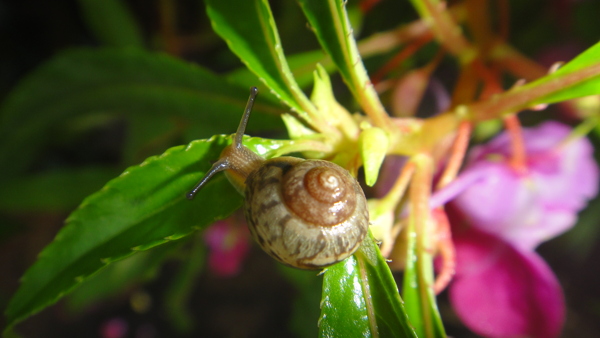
x,y
305,213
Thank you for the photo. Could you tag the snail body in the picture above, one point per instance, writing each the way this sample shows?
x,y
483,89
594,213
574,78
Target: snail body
x,y
307,214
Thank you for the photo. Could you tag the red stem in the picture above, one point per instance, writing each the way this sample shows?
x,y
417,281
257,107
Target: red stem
x,y
446,250
404,54
457,154
518,158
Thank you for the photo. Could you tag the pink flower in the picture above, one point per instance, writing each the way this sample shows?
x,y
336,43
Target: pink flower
x,y
114,328
528,208
502,288
499,291
228,245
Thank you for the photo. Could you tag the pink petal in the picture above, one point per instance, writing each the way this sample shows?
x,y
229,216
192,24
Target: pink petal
x,y
497,197
499,291
502,203
574,175
527,209
538,139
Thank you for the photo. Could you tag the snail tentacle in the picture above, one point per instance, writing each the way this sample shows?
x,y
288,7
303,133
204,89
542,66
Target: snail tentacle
x,y
218,166
239,134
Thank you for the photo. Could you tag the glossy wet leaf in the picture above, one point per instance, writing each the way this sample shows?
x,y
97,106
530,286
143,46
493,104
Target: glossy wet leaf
x,y
331,25
361,299
142,208
251,33
578,78
302,66
585,67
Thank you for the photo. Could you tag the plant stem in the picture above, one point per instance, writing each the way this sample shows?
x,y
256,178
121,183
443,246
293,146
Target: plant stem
x,y
518,157
457,154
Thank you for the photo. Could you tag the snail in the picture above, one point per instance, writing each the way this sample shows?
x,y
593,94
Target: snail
x,y
307,214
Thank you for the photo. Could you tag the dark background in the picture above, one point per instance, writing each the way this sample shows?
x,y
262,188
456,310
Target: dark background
x,y
259,302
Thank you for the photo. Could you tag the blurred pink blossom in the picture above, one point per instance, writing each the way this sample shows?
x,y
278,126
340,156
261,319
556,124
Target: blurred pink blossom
x,y
228,244
499,291
528,208
502,288
114,328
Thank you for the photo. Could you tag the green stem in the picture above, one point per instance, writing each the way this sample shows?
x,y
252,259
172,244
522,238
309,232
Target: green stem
x,y
359,81
418,282
528,95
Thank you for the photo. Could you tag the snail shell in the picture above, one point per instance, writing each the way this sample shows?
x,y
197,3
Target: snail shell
x,y
304,213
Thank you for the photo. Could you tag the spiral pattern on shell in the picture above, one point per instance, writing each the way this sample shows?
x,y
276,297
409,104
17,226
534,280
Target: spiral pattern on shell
x,y
305,213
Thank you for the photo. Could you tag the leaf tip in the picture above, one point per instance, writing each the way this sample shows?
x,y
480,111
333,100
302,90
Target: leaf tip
x,y
373,144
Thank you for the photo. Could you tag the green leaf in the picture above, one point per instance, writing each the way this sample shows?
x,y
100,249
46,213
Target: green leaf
x,y
111,22
251,33
335,114
302,66
330,23
578,78
142,208
373,143
59,190
584,69
120,276
121,81
361,299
